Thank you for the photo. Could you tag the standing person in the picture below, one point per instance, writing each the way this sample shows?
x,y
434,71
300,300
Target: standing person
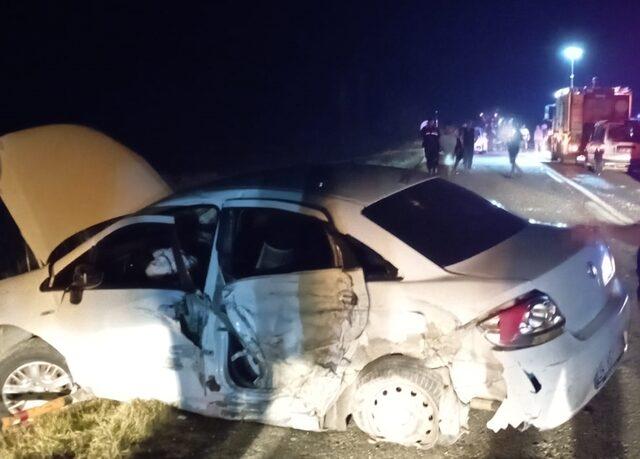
x,y
525,136
468,141
448,142
513,146
538,138
431,145
458,152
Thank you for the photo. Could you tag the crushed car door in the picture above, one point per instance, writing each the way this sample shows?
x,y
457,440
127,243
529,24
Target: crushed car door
x,y
115,321
287,292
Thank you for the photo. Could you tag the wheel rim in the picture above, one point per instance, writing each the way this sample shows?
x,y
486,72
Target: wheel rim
x,y
34,384
402,412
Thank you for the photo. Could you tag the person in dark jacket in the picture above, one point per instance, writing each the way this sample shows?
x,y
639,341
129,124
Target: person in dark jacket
x,y
458,152
431,145
514,148
468,138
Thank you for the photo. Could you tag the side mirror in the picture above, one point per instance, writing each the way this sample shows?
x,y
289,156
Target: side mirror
x,y
85,277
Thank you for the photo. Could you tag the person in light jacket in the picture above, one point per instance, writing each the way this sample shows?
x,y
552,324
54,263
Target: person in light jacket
x,y
448,141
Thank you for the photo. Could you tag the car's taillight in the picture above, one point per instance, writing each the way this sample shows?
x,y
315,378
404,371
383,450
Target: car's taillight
x,y
527,321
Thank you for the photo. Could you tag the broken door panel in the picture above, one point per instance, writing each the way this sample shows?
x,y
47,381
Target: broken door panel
x,y
299,320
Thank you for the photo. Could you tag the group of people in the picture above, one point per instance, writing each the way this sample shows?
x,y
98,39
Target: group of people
x,y
455,145
458,145
540,136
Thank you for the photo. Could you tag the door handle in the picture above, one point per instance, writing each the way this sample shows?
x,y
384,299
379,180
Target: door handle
x,y
348,297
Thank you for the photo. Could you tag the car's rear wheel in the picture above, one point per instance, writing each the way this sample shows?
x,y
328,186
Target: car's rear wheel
x,y
396,400
31,374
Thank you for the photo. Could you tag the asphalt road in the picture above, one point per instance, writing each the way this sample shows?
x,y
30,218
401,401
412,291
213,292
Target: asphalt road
x,y
608,427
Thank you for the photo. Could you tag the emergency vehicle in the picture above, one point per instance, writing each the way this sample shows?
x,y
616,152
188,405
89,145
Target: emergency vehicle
x,y
577,110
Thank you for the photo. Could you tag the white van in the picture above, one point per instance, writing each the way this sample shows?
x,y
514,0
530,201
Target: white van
x,y
613,144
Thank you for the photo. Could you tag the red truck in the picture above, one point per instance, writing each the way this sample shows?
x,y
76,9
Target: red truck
x,y
576,112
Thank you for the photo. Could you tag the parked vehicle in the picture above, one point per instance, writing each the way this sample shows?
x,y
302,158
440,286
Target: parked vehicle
x,y
299,297
614,145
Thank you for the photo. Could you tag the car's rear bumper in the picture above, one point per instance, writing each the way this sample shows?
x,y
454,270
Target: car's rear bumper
x,y
549,383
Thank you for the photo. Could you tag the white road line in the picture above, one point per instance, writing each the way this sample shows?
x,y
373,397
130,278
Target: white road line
x,y
554,177
613,215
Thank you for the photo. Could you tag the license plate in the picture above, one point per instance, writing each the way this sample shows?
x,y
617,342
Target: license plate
x,y
608,364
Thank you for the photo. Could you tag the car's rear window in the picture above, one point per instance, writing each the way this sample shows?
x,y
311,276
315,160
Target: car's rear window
x,y
444,222
629,132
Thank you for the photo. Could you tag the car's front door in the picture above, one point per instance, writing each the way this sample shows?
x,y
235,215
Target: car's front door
x,y
286,290
121,337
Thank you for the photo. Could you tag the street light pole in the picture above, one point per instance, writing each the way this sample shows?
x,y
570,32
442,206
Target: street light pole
x,y
572,53
572,73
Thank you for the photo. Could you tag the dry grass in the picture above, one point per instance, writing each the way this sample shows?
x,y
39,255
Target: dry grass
x,y
95,429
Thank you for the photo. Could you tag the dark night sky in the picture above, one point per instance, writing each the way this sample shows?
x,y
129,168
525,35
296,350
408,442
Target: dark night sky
x,y
204,83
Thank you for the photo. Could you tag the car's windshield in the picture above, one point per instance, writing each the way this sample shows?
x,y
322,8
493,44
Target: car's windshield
x,y
74,241
444,222
629,132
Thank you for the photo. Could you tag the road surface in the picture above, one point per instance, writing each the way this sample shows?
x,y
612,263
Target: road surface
x,y
608,427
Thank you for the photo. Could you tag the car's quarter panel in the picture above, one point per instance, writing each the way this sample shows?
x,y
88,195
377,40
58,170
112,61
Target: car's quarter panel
x,y
547,384
430,319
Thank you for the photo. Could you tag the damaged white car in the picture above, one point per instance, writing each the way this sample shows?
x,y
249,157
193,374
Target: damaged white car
x,y
298,298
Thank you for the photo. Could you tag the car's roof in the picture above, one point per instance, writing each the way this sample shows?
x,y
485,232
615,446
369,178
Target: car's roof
x,y
362,183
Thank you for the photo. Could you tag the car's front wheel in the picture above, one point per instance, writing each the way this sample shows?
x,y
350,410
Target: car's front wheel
x,y
32,374
396,400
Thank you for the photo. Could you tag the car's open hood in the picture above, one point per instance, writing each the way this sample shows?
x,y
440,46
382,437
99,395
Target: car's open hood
x,y
57,180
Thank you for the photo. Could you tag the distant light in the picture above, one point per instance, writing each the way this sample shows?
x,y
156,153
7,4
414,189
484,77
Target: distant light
x,y
495,115
481,114
573,53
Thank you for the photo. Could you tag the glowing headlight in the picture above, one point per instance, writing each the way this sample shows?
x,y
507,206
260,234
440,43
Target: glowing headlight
x,y
607,267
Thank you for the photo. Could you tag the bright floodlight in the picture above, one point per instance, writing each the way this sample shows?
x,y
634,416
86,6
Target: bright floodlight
x,y
573,53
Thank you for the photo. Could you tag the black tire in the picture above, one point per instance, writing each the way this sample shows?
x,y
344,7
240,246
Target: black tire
x,y
401,378
31,350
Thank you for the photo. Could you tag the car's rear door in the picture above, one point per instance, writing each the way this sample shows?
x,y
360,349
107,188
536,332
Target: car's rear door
x,y
285,287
